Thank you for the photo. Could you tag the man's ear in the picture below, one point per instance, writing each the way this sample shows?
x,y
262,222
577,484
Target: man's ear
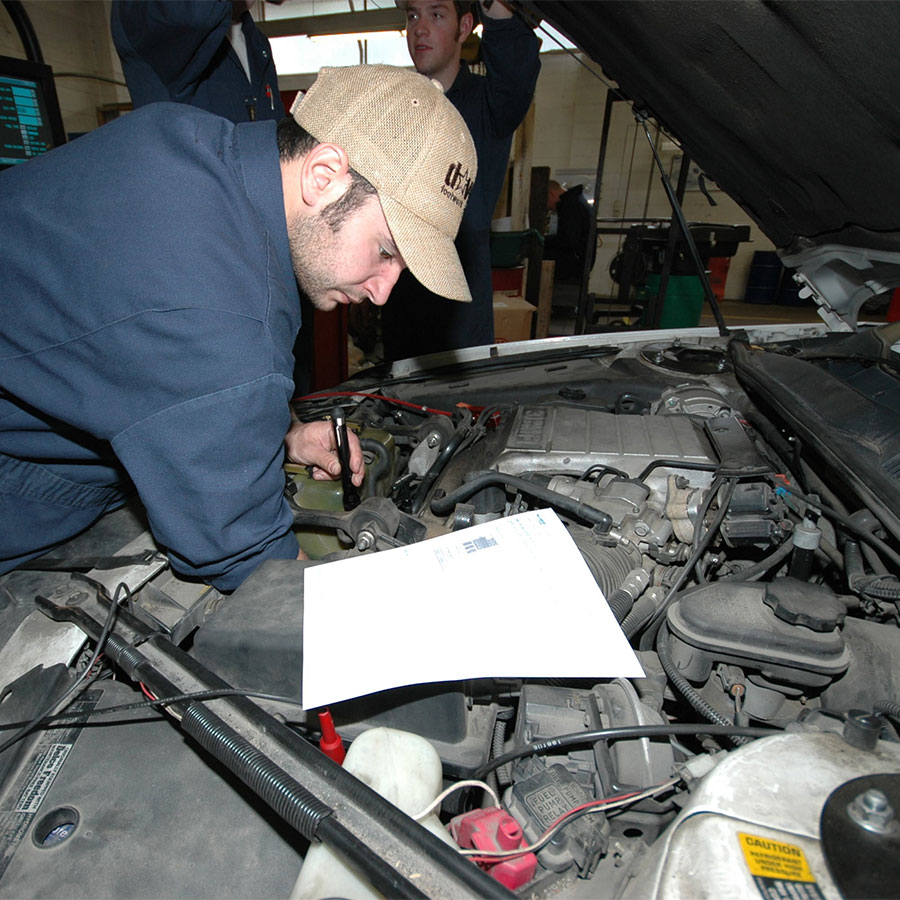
x,y
466,24
324,175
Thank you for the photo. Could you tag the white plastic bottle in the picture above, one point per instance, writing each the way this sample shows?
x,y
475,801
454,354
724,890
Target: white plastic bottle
x,y
406,770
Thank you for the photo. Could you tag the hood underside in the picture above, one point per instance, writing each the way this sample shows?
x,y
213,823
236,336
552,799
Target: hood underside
x,y
789,106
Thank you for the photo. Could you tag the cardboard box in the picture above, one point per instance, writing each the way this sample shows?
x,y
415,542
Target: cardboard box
x,y
512,317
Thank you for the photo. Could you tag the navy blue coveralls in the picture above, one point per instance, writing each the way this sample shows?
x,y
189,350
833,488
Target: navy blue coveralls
x,y
416,321
179,50
149,311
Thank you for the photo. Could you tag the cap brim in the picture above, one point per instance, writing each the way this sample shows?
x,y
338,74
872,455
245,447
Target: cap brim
x,y
430,255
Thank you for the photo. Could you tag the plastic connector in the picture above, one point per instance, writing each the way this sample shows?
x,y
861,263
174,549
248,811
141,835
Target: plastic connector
x,y
495,829
330,742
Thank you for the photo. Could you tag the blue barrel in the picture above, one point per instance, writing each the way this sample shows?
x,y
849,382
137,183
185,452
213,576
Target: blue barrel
x,y
764,277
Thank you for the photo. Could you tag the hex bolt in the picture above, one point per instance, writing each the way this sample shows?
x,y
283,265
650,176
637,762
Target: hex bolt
x,y
365,540
872,811
432,440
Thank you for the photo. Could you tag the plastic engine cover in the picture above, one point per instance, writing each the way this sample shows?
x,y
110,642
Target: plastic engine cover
x,y
731,623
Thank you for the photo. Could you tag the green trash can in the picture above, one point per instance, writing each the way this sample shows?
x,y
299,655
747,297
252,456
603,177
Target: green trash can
x,y
682,304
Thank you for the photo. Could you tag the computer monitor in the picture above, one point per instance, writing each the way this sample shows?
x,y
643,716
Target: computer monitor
x,y
30,121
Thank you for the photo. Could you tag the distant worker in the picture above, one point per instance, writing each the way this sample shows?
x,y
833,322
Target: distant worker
x,y
206,53
493,105
568,243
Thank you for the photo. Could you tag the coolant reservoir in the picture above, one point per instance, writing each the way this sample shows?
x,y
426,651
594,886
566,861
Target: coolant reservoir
x,y
406,770
328,495
752,826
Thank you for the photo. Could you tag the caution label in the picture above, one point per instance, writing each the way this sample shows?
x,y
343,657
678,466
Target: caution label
x,y
780,870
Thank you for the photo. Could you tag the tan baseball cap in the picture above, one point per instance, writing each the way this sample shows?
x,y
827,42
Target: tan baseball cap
x,y
404,136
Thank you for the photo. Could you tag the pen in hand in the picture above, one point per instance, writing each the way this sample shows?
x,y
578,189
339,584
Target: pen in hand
x,y
351,494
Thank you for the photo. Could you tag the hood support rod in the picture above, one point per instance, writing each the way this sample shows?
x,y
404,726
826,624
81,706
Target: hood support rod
x,y
678,213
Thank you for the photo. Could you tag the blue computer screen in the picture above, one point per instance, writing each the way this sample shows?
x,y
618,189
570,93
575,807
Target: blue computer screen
x,y
29,113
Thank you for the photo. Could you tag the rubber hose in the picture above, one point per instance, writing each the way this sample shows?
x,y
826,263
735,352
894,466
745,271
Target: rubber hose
x,y
640,613
436,468
444,505
381,465
623,598
610,566
503,775
878,587
685,688
888,707
297,806
752,573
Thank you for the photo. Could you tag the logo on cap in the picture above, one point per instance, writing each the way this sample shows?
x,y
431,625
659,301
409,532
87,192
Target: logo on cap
x,y
457,184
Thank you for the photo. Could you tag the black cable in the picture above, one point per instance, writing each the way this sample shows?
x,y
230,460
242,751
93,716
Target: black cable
x,y
752,573
678,464
846,521
628,732
574,508
107,627
166,701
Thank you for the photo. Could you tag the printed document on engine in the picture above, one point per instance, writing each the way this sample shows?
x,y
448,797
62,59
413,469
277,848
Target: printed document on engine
x,y
512,598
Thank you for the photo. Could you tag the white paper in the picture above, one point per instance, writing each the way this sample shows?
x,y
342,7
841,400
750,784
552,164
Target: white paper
x,y
511,598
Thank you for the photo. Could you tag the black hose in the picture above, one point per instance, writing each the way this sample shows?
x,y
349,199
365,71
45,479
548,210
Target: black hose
x,y
685,688
876,587
641,612
678,464
624,733
290,800
752,573
380,466
620,603
887,707
444,505
436,468
847,522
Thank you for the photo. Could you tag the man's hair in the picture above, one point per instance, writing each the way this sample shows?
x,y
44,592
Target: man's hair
x,y
461,6
295,141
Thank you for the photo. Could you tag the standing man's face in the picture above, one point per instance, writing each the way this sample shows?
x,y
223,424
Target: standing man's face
x,y
354,262
434,36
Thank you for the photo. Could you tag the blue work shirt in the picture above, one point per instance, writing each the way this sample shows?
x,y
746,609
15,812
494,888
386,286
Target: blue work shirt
x,y
149,312
416,321
179,50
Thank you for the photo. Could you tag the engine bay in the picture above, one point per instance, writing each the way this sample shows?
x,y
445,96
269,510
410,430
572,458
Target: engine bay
x,y
741,555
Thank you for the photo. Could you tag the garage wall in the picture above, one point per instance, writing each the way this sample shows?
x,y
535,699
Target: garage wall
x,y
74,38
569,106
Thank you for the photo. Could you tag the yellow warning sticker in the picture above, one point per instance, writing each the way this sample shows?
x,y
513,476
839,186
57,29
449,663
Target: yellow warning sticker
x,y
778,868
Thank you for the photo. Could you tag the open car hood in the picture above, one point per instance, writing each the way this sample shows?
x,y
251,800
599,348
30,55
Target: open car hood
x,y
788,106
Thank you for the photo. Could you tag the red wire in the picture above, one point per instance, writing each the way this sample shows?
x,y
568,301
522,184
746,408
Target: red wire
x,y
493,860
416,406
146,692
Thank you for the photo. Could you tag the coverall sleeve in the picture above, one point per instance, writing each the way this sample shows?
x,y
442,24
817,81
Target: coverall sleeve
x,y
510,49
178,39
209,473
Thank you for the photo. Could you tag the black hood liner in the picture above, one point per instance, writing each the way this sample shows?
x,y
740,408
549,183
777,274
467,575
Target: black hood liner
x,y
791,107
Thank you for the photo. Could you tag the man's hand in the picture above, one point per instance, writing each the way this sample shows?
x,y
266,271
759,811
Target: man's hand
x,y
495,9
312,444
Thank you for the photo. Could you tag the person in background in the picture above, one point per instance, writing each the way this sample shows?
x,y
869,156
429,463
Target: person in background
x,y
206,53
493,105
151,302
568,243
